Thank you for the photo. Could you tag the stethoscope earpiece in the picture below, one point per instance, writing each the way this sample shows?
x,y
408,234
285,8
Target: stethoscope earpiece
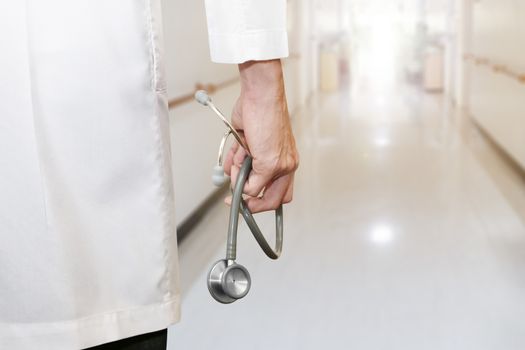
x,y
218,176
228,281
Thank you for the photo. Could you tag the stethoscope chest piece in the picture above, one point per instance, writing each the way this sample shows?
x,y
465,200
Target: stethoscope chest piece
x,y
228,281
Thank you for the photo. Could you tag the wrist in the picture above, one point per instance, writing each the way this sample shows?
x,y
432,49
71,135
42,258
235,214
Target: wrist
x,y
261,78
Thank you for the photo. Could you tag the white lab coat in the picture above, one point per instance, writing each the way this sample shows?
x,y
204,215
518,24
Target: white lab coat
x,y
88,250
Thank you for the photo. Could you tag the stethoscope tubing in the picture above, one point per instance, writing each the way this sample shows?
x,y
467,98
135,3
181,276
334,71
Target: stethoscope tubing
x,y
257,234
238,205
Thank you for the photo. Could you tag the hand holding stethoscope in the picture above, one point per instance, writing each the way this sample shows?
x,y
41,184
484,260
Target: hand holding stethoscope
x,y
227,280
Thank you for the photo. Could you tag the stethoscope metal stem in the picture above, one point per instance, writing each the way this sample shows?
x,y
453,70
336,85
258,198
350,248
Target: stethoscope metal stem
x,y
221,147
235,133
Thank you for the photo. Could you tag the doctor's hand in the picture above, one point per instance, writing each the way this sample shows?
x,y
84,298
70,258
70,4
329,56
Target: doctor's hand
x,y
261,113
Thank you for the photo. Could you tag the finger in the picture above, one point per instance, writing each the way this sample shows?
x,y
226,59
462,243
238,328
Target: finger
x,y
256,182
239,156
264,172
228,201
228,161
273,196
288,196
234,174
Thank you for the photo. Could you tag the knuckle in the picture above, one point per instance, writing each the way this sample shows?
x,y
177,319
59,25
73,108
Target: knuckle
x,y
279,165
290,164
294,161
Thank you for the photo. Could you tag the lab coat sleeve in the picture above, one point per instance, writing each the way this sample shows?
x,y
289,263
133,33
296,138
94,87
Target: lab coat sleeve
x,y
244,30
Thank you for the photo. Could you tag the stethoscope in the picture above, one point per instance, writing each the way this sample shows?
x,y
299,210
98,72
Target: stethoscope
x,y
227,280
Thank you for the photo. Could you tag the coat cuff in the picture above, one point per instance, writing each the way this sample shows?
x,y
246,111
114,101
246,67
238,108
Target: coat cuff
x,y
254,46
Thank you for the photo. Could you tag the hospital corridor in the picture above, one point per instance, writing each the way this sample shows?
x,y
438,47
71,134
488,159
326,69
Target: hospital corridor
x,y
407,228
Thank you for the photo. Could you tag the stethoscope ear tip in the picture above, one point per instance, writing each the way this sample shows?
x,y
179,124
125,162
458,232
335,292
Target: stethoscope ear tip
x,y
218,177
202,97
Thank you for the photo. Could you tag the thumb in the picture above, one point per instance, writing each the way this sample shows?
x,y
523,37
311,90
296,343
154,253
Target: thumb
x,y
255,183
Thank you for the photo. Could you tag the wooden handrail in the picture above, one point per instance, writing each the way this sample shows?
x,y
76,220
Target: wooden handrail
x,y
481,61
211,88
499,68
496,67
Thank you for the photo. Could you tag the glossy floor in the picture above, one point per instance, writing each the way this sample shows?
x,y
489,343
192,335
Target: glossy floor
x,y
407,231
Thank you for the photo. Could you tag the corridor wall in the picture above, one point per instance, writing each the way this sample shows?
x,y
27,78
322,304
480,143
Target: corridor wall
x,y
496,93
194,132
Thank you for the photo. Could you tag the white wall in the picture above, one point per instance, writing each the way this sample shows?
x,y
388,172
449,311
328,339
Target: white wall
x,y
463,34
195,132
497,101
187,54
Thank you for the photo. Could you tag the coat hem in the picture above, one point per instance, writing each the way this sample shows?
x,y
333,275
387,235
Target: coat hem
x,y
90,331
